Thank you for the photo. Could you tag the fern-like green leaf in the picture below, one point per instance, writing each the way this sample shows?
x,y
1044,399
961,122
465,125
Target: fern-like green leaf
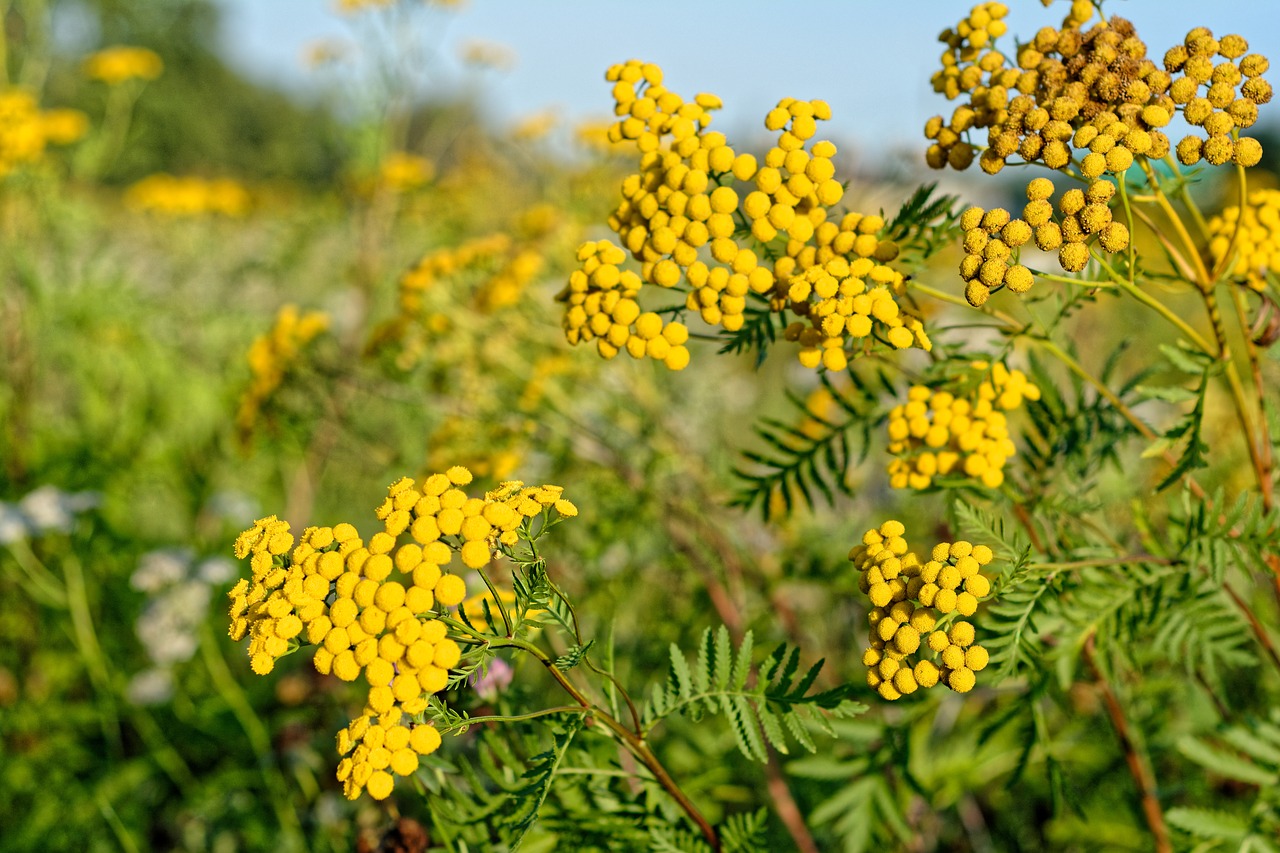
x,y
760,713
1207,823
539,778
1228,764
745,832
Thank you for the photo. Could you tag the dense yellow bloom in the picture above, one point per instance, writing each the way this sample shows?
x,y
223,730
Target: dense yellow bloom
x,y
370,607
910,598
602,306
187,196
732,232
115,65
1251,236
957,428
272,355
1091,95
992,239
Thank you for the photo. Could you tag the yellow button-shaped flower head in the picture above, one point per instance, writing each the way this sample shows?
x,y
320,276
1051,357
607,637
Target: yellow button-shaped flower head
x,y
962,680
424,739
380,785
450,590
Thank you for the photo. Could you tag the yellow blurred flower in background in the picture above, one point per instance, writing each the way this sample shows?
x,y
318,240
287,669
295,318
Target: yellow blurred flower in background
x,y
401,171
115,65
188,196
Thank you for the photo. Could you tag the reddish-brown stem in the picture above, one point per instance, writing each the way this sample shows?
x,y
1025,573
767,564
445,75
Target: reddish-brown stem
x,y
1141,775
1264,639
785,805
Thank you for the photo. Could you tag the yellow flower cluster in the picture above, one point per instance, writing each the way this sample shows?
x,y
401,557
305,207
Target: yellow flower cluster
x,y
25,129
840,306
1093,90
908,597
272,355
441,515
602,306
401,171
333,590
959,428
115,65
187,196
1084,217
347,598
683,202
989,263
64,126
1256,232
1218,97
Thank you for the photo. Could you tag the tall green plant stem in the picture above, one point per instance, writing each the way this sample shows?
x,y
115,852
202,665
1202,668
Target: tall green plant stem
x,y
1206,283
1142,776
633,741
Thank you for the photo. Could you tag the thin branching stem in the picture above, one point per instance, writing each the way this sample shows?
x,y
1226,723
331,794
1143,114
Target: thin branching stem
x,y
513,718
634,743
1202,273
1142,776
1264,430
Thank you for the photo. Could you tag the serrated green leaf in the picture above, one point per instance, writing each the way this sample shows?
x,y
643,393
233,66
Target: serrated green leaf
x,y
1206,823
1223,763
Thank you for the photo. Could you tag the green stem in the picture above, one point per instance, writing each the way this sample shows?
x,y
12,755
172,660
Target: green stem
x,y
1255,368
1176,221
1066,279
515,718
43,585
1101,387
633,741
259,739
959,300
497,602
1156,305
86,639
1237,389
1128,218
1184,195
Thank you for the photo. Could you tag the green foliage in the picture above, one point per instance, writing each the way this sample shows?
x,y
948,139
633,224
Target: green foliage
x,y
925,223
1249,756
1216,535
815,454
1188,430
860,804
740,833
761,327
762,713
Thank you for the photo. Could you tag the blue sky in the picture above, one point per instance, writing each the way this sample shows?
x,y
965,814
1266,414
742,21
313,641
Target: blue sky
x,y
870,60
